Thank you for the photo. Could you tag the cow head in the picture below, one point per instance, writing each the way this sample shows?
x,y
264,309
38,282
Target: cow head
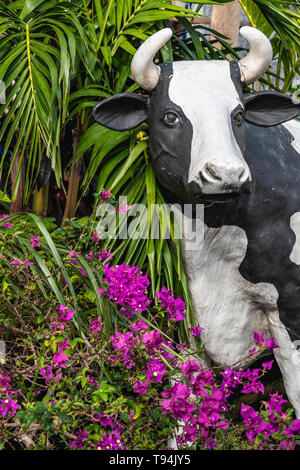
x,y
196,112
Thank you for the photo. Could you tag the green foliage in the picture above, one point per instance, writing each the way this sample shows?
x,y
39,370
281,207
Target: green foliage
x,y
57,398
58,59
279,21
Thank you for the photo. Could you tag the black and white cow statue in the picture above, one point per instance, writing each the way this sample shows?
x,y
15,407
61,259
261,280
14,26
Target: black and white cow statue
x,y
240,153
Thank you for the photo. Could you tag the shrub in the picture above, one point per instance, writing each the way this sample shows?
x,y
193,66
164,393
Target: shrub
x,y
96,363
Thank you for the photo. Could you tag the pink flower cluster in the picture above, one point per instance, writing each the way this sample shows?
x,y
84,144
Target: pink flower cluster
x,y
48,374
96,325
129,345
271,422
7,224
127,287
8,406
81,437
196,398
175,307
125,344
34,241
110,439
65,315
73,255
259,339
59,357
105,195
19,263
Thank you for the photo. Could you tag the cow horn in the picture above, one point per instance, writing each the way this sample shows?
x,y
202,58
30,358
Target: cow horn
x,y
144,71
259,57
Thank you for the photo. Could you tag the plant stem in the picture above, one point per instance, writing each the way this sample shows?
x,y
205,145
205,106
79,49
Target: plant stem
x,y
40,201
17,205
74,180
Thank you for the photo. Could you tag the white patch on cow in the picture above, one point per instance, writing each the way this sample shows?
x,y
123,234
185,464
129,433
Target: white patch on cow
x,y
288,359
207,95
295,226
228,307
293,127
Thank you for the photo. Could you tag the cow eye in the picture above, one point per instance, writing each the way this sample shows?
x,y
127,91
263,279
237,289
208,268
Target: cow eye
x,y
170,118
239,118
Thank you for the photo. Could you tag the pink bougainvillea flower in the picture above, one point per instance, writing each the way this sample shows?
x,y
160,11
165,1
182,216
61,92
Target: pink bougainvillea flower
x,y
275,403
190,367
155,371
267,365
141,387
92,381
177,402
47,374
196,330
270,344
82,271
127,286
259,338
73,255
34,241
163,296
181,346
95,237
60,359
4,382
102,291
139,326
286,445
90,255
65,315
18,263
81,436
294,428
105,195
112,441
123,208
8,405
63,345
7,224
175,307
107,420
103,255
96,325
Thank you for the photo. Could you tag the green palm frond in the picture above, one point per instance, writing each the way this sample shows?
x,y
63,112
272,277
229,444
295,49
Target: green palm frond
x,y
280,21
36,61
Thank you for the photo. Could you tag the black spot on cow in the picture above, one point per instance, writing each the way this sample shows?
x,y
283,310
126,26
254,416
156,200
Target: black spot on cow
x,y
264,214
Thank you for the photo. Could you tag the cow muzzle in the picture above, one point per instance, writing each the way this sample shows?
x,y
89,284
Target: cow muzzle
x,y
216,178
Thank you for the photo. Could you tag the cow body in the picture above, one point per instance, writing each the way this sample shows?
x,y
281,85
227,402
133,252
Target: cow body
x,y
239,155
249,261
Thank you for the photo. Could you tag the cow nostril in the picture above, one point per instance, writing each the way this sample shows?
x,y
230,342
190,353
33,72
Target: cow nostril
x,y
209,174
245,175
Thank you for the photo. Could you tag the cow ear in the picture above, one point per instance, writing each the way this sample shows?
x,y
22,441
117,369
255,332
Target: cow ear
x,y
121,112
269,108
